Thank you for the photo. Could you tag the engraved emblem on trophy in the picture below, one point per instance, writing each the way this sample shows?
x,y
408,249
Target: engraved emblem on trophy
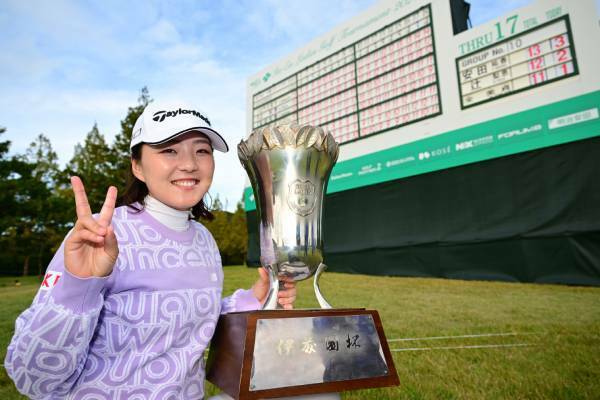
x,y
288,167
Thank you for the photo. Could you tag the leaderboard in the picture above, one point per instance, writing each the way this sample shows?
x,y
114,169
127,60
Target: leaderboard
x,y
426,95
535,57
384,80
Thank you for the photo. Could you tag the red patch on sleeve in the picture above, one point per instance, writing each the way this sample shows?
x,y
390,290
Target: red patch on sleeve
x,y
50,280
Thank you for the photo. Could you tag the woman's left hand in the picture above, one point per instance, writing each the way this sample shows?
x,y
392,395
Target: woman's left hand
x,y
285,297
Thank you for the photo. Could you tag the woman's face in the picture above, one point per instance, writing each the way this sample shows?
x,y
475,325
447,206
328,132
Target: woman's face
x,y
179,172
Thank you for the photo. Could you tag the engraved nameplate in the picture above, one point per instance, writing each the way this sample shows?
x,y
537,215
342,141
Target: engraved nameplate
x,y
310,350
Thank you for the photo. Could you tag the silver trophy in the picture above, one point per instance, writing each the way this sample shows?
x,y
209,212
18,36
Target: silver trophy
x,y
289,166
269,354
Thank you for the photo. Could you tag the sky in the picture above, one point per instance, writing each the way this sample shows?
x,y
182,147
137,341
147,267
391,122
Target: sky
x,y
65,65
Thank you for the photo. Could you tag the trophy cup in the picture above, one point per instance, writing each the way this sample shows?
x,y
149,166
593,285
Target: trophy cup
x,y
273,353
288,168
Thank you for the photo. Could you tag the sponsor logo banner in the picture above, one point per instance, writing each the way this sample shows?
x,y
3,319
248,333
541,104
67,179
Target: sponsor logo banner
x,y
561,122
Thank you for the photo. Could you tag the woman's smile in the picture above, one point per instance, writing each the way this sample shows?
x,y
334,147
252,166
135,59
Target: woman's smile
x,y
186,184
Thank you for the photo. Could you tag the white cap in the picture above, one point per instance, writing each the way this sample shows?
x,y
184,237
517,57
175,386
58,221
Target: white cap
x,y
161,123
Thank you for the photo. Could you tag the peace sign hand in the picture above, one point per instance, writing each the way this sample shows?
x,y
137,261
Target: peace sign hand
x,y
91,249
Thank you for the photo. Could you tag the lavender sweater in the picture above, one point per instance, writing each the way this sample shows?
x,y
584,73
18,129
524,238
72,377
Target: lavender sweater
x,y
139,333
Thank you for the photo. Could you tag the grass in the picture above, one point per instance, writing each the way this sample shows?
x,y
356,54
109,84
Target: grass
x,y
560,325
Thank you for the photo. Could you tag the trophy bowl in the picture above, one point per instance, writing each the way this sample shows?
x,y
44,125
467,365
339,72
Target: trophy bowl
x,y
288,167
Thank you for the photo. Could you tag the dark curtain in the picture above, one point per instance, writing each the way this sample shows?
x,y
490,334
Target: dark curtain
x,y
529,217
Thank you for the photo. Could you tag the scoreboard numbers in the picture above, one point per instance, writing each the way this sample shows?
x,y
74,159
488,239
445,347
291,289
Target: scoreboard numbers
x,y
538,56
382,81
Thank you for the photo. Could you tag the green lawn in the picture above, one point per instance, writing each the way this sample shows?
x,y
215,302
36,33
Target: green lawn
x,y
559,324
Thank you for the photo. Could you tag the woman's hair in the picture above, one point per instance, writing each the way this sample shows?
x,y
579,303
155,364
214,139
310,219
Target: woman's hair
x,y
136,191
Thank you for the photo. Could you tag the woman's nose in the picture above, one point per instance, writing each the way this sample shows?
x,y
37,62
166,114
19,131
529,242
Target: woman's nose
x,y
188,161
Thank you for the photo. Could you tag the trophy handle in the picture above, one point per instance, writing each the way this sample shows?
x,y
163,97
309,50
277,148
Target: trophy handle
x,y
322,302
271,301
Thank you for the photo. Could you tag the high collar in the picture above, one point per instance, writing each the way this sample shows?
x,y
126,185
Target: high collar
x,y
172,218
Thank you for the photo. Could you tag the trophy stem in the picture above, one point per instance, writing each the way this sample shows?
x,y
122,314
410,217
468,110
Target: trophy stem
x,y
322,302
271,301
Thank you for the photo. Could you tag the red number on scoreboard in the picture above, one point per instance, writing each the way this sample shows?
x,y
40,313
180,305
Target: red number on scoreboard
x,y
538,77
563,55
535,50
558,41
536,64
566,68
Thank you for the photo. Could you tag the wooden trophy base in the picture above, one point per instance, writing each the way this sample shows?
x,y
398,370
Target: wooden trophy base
x,y
276,353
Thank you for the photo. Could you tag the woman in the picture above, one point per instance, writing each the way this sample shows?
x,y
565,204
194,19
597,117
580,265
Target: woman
x,y
131,298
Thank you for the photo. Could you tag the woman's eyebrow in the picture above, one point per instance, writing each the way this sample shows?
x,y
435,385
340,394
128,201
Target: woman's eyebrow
x,y
201,140
177,141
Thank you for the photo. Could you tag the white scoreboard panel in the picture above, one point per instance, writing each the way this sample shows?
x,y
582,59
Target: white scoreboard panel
x,y
404,95
385,80
541,55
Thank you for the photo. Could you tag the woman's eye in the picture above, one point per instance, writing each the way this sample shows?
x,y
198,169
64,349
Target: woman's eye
x,y
168,151
204,151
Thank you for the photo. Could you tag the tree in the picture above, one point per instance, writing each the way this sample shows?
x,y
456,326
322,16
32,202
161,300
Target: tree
x,y
239,235
5,175
4,146
23,197
44,160
120,154
92,163
217,204
54,212
229,231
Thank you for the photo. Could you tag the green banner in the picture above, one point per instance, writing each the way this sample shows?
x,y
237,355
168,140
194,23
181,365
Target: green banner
x,y
561,122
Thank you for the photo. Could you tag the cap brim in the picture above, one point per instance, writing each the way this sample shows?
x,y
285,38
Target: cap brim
x,y
216,140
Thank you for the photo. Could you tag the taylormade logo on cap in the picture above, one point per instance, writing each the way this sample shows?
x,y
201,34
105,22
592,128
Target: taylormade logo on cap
x,y
160,116
160,123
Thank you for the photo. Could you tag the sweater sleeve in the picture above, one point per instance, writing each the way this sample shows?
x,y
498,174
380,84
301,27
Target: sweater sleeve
x,y
48,350
240,300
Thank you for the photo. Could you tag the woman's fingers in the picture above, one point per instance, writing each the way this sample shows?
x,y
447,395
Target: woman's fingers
x,y
287,302
82,206
263,274
90,224
287,297
92,248
110,244
85,235
108,207
289,289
